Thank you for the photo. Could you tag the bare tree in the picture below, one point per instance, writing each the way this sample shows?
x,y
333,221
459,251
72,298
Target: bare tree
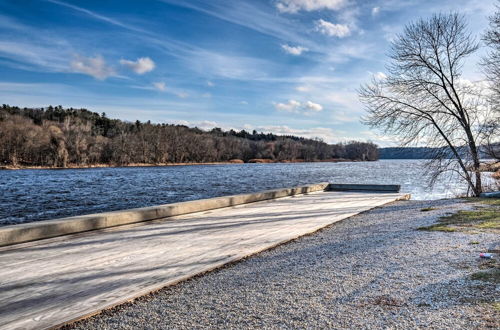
x,y
492,60
491,65
425,101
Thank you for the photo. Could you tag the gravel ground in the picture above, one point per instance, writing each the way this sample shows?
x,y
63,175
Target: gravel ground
x,y
371,271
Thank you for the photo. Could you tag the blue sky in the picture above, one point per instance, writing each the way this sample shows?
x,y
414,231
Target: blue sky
x,y
282,66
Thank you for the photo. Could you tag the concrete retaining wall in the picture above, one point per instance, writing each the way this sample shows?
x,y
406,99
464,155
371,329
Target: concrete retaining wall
x,y
51,228
493,194
364,187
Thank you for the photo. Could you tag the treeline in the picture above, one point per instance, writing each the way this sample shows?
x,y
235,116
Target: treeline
x,y
58,137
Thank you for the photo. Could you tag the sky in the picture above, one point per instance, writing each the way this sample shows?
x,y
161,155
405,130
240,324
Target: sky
x,y
280,66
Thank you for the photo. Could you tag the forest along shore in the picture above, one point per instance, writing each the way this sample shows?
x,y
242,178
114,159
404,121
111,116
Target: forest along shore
x,y
58,137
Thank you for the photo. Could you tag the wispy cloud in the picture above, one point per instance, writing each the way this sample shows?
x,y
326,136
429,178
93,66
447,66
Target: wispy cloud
x,y
160,85
172,47
353,50
251,15
331,29
202,60
92,66
294,6
294,50
226,66
139,66
32,48
294,106
311,106
15,87
26,55
97,16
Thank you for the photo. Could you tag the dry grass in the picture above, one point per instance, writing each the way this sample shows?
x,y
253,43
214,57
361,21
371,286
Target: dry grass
x,y
490,275
437,227
485,217
484,201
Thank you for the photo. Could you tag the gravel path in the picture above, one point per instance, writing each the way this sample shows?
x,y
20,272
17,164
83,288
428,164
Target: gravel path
x,y
371,271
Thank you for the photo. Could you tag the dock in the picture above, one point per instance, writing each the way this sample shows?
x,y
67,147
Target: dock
x,y
51,281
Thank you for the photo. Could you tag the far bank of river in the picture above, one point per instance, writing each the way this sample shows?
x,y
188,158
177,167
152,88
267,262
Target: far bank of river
x,y
230,162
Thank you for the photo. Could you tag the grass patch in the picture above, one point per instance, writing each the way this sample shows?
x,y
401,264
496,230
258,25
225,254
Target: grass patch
x,y
495,224
484,200
486,217
474,243
496,306
427,209
437,227
492,275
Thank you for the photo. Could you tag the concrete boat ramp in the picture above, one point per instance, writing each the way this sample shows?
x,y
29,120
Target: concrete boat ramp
x,y
57,279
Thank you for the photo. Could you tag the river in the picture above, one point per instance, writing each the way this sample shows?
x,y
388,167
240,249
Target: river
x,y
36,195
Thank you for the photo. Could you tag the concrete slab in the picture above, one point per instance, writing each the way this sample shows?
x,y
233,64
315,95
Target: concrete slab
x,y
51,282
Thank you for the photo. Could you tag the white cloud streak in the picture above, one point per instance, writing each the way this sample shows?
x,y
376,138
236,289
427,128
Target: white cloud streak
x,y
294,106
140,66
39,57
294,6
92,66
331,29
248,14
294,50
96,16
302,89
160,85
311,106
228,66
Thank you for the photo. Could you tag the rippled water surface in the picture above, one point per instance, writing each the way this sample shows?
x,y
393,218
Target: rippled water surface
x,y
34,195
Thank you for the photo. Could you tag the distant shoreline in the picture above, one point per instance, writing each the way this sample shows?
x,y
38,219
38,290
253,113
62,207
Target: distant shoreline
x,y
232,162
